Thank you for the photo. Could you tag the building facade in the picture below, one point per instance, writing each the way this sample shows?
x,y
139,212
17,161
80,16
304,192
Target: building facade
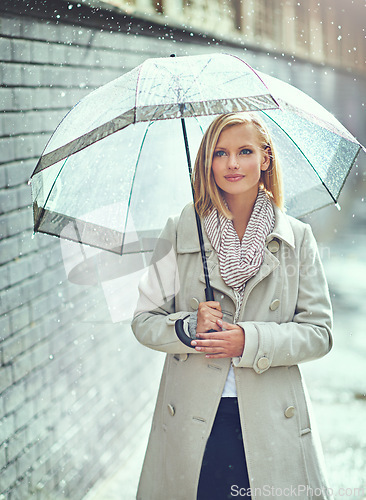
x,y
328,32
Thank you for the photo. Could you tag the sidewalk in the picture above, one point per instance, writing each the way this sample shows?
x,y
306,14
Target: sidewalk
x,y
337,386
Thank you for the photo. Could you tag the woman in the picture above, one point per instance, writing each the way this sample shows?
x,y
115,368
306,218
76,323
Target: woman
x,y
232,416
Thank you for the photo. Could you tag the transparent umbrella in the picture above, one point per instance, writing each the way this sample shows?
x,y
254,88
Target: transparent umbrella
x,y
116,164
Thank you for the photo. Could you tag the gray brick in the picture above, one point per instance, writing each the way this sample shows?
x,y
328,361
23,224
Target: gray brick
x,y
11,348
7,477
10,299
38,144
19,221
40,261
23,415
19,172
49,33
10,26
9,250
3,459
24,464
29,289
27,244
8,200
21,50
34,384
24,99
3,228
3,177
77,56
40,52
4,326
24,147
41,354
5,49
31,75
5,378
19,318
57,53
7,149
6,428
6,99
16,444
34,334
29,28
21,366
25,201
12,74
21,488
15,396
30,122
15,123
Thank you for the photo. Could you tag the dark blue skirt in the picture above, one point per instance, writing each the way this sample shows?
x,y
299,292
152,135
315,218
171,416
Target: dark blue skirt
x,y
224,468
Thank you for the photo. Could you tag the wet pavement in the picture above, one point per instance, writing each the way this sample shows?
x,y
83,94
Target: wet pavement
x,y
337,383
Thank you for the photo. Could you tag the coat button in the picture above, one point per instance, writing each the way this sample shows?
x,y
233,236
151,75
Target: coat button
x,y
273,246
183,357
263,363
171,410
194,303
274,305
290,412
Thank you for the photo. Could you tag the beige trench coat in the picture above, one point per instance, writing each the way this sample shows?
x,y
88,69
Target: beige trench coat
x,y
287,318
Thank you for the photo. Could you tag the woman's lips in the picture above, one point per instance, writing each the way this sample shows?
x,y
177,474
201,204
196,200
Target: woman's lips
x,y
234,178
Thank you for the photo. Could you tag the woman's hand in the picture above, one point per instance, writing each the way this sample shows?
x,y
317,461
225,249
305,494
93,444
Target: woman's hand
x,y
227,343
207,315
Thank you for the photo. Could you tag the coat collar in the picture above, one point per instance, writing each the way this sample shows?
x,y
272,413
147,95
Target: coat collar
x,y
189,243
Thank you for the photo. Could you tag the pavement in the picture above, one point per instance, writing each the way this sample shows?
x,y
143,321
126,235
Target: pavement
x,y
336,383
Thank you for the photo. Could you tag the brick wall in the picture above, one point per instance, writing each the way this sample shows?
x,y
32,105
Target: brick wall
x,y
74,387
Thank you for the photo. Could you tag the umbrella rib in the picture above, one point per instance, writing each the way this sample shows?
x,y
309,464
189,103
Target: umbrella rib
x,y
37,224
304,155
197,76
132,184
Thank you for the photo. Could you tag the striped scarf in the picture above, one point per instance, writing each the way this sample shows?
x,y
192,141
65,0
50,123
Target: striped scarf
x,y
239,261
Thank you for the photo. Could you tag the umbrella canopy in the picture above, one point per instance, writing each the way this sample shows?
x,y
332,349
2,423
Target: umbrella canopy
x,y
115,168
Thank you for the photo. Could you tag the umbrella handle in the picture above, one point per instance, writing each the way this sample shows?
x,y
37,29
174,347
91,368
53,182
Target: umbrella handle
x,y
179,330
181,334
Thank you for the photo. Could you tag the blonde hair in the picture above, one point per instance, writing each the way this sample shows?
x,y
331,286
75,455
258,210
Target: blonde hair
x,y
207,194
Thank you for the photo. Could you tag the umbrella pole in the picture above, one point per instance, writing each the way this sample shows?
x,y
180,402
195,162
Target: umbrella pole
x,y
208,290
179,324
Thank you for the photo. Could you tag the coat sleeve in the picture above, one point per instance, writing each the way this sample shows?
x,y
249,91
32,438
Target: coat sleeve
x,y
308,336
154,319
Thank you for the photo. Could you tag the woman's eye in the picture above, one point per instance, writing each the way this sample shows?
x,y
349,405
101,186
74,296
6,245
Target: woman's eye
x,y
246,151
219,153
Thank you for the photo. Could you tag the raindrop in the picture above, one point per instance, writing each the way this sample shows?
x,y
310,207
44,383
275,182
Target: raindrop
x,y
339,37
51,356
338,207
70,7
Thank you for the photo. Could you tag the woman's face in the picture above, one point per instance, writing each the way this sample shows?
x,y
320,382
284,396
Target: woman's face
x,y
238,161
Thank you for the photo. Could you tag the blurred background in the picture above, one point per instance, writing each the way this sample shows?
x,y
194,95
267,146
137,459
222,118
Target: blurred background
x,y
76,389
